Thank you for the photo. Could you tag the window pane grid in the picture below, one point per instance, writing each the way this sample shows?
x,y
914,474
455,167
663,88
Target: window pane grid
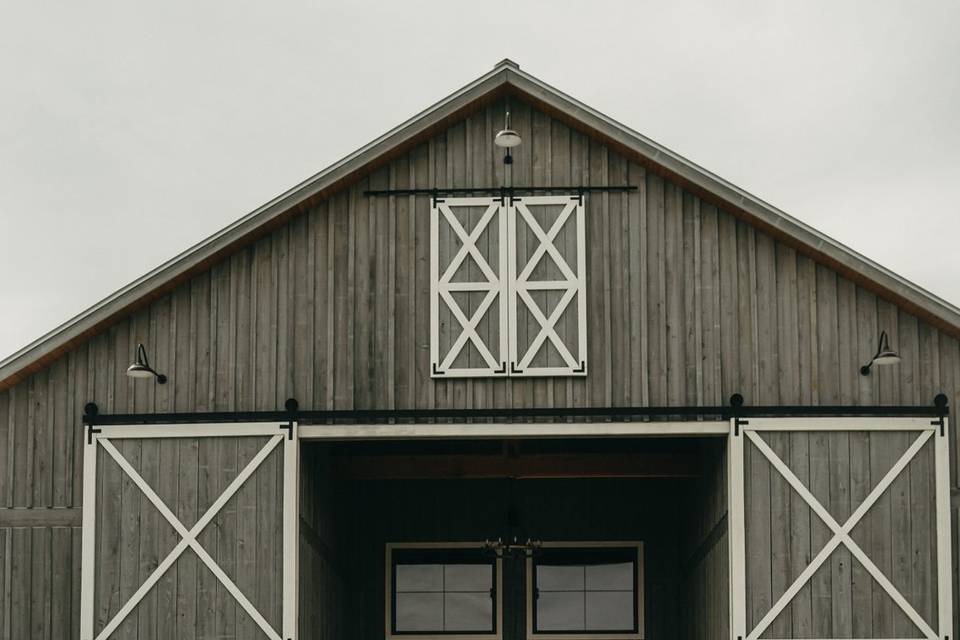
x,y
594,596
438,597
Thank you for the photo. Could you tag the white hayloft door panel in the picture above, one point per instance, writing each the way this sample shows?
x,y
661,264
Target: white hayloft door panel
x,y
547,271
468,294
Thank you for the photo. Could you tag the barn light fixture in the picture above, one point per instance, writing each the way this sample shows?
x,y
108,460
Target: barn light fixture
x,y
884,356
507,137
141,367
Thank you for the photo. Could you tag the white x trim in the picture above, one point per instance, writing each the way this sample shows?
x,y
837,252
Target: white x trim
x,y
442,288
188,537
573,287
841,533
547,328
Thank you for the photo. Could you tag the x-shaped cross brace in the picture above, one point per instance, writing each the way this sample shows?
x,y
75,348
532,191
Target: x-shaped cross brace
x,y
469,245
546,242
841,535
189,538
547,328
468,329
569,285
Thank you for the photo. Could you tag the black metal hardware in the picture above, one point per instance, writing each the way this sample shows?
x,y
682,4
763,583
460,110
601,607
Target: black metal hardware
x,y
414,415
736,405
497,191
582,368
737,423
90,412
292,406
940,402
513,368
436,372
502,369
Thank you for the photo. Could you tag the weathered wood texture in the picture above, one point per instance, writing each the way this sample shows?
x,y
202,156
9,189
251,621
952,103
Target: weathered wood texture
x,y
686,305
244,538
704,550
783,534
321,568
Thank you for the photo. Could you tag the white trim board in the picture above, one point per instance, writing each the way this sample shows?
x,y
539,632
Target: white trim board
x,y
485,430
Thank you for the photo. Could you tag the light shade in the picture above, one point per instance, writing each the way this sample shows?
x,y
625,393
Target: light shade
x,y
884,356
137,370
141,367
507,138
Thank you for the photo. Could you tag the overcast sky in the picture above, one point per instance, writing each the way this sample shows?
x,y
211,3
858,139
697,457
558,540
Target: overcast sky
x,y
131,130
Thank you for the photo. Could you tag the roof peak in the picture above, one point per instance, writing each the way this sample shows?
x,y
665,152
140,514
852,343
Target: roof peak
x,y
507,62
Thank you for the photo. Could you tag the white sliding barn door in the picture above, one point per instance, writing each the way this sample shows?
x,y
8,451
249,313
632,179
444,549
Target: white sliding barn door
x,y
190,530
547,267
839,528
468,287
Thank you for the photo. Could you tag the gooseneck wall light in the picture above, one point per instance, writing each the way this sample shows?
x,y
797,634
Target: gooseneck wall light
x,y
884,356
141,367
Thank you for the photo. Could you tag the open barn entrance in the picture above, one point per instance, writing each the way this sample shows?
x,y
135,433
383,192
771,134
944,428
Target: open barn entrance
x,y
512,538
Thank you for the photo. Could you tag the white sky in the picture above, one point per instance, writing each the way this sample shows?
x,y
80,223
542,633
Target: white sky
x,y
130,130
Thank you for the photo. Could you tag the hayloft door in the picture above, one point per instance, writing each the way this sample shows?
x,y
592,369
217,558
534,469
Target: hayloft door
x,y
839,528
190,528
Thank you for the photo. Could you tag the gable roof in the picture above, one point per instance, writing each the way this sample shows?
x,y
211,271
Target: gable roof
x,y
505,78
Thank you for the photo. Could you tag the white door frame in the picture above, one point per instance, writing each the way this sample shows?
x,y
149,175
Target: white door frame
x,y
572,284
285,435
493,282
925,428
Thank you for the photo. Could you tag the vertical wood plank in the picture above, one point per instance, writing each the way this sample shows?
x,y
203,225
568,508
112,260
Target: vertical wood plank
x,y
710,305
656,298
674,267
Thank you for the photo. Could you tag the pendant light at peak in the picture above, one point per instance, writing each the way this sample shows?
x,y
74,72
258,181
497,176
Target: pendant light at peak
x,y
507,138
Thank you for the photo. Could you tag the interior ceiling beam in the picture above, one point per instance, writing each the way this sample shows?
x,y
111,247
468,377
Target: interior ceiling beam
x,y
480,466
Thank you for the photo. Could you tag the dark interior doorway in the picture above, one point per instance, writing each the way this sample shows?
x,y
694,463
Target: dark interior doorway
x,y
363,497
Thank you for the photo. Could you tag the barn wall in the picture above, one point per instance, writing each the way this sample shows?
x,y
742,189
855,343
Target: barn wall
x,y
321,569
704,594
687,305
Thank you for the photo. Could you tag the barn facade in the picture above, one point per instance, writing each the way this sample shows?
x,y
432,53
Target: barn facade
x,y
534,379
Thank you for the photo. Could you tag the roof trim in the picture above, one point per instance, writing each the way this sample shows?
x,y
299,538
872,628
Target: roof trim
x,y
505,74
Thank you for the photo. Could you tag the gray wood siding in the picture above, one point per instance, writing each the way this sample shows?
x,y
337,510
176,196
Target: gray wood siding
x,y
321,568
189,474
783,534
687,305
704,568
